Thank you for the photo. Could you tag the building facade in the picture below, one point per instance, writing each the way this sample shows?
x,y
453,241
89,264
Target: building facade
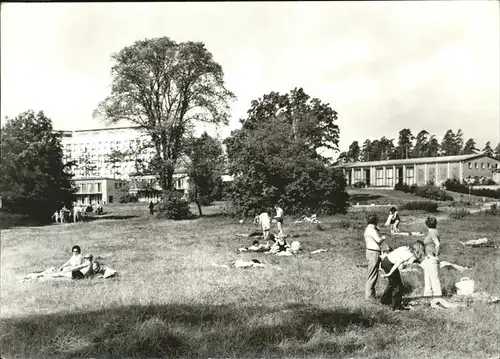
x,y
420,171
90,149
98,190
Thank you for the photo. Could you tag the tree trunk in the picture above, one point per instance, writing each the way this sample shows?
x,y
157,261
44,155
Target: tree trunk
x,y
199,207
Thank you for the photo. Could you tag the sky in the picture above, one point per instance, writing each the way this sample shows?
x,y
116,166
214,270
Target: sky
x,y
383,66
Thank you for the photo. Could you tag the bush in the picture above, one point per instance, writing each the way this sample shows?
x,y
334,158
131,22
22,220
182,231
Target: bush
x,y
455,186
459,213
359,184
493,210
400,186
129,198
433,193
428,206
489,182
173,206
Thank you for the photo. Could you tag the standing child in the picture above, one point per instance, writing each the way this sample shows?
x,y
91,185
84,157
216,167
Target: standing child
x,y
279,218
265,223
390,264
393,220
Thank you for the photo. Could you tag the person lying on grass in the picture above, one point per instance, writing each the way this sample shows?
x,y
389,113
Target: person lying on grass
x,y
257,247
79,272
390,264
76,259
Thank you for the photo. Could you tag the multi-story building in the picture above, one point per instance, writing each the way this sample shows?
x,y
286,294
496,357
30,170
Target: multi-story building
x,y
91,149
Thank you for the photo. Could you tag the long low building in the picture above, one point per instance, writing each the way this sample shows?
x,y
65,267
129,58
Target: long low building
x,y
420,171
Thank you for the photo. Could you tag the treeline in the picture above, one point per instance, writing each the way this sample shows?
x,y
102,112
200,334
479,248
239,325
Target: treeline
x,y
409,146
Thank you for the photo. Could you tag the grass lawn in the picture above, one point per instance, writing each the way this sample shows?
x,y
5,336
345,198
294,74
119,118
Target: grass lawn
x,y
169,300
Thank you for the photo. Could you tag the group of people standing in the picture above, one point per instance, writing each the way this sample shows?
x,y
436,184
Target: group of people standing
x,y
379,255
265,221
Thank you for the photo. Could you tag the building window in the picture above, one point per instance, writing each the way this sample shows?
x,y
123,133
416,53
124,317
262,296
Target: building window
x,y
410,175
379,177
388,177
489,166
357,175
470,165
99,187
482,165
84,187
475,165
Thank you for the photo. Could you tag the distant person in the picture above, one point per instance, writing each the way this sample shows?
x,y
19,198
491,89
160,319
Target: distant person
x,y
393,220
390,264
374,246
151,208
75,260
432,243
56,216
279,218
265,222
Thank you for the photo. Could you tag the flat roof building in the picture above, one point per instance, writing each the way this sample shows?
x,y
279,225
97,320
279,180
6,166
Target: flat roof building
x,y
419,171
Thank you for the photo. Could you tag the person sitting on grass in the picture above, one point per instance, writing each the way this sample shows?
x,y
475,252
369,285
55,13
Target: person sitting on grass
x,y
393,220
281,245
390,264
84,270
76,259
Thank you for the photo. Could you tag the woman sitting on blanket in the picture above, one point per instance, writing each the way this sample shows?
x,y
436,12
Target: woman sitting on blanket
x,y
393,220
76,259
79,272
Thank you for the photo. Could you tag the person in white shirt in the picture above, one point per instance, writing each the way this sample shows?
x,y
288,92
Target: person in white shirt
x,y
374,246
265,223
279,218
390,264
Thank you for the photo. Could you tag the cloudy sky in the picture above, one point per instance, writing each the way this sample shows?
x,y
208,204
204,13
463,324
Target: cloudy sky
x,y
382,66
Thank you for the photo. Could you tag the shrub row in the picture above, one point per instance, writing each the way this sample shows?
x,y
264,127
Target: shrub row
x,y
428,206
455,185
430,191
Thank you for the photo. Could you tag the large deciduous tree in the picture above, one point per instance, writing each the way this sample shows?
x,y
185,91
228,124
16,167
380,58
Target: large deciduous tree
x,y
274,156
166,87
33,180
205,169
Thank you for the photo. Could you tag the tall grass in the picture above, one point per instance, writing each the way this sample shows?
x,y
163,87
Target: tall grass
x,y
171,301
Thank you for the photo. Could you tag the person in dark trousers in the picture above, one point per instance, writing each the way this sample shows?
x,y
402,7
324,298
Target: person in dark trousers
x,y
151,207
375,244
390,264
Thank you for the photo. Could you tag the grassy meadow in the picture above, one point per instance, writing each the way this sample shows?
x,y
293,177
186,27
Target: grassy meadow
x,y
171,300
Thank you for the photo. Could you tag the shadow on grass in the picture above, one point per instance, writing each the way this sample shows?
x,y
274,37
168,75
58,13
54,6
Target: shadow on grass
x,y
111,216
184,330
8,221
